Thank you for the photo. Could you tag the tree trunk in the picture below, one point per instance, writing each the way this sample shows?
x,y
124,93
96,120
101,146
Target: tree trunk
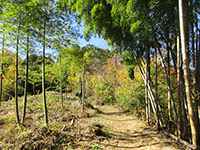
x,y
169,86
179,97
16,77
183,7
146,100
26,79
151,97
83,88
61,92
1,76
169,91
147,82
43,76
182,123
156,89
193,45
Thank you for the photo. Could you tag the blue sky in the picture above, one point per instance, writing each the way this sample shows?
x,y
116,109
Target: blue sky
x,y
94,40
97,41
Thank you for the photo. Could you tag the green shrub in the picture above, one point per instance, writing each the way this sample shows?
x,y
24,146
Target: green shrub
x,y
104,91
131,96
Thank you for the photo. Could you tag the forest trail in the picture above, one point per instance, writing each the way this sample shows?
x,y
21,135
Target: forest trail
x,y
127,132
99,127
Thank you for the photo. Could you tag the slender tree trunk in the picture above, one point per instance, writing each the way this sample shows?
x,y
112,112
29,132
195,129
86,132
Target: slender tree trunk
x,y
183,7
186,128
83,88
179,89
147,82
193,45
26,79
61,92
43,76
1,76
169,93
156,89
169,86
151,97
16,77
182,122
146,100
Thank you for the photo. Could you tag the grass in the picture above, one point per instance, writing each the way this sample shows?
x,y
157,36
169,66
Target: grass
x,y
13,135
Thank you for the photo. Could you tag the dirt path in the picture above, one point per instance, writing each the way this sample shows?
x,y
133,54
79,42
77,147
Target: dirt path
x,y
106,129
127,132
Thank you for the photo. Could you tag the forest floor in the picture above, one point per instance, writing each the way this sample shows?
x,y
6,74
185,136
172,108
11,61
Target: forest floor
x,y
100,127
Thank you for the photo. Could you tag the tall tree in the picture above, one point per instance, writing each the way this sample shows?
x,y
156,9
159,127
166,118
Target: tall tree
x,y
17,74
148,106
43,74
183,19
61,81
156,89
1,75
26,78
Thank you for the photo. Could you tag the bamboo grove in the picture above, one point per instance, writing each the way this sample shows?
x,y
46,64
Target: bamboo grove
x,y
157,34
